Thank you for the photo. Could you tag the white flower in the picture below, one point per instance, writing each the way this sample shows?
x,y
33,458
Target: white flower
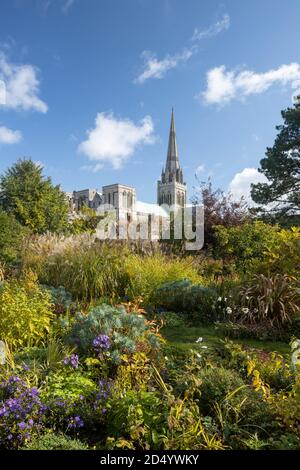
x,y
204,347
225,298
295,344
228,310
199,340
220,299
166,358
198,355
245,310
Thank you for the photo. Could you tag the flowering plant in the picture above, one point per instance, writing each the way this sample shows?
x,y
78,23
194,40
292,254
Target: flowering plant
x,y
72,361
21,412
106,327
101,344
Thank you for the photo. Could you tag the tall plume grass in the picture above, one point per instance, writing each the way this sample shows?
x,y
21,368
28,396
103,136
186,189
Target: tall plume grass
x,y
90,269
86,268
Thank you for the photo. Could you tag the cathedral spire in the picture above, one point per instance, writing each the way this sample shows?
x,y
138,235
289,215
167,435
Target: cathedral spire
x,y
171,189
172,157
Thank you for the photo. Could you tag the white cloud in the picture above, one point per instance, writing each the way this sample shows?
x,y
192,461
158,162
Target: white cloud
x,y
199,170
8,136
157,68
224,86
92,168
21,86
67,5
115,140
64,5
154,68
2,93
240,185
213,29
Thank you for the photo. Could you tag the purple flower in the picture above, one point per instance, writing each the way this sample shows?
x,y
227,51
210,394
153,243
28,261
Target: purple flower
x,y
105,387
20,410
101,344
75,422
73,361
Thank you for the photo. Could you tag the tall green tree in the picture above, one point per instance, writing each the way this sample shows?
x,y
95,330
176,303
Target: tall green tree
x,y
11,236
32,198
281,166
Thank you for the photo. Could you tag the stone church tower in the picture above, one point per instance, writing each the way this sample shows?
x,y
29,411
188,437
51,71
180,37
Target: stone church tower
x,y
171,189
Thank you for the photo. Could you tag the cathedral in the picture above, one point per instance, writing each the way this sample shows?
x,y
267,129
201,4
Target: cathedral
x,y
171,190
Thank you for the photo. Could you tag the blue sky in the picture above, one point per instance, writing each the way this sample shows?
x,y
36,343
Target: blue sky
x,y
90,85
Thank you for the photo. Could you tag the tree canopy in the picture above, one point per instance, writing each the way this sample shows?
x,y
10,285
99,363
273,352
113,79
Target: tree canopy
x,y
11,236
219,209
281,166
32,198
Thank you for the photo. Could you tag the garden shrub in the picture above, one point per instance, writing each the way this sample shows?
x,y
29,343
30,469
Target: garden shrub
x,y
68,386
294,328
284,256
121,332
217,383
134,373
265,308
137,421
186,297
11,236
86,220
235,407
287,441
146,274
287,409
246,415
21,412
45,358
275,372
257,247
171,319
53,441
61,299
25,312
273,299
75,399
149,420
246,244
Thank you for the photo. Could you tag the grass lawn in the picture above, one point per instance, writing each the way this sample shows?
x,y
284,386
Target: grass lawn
x,y
184,337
